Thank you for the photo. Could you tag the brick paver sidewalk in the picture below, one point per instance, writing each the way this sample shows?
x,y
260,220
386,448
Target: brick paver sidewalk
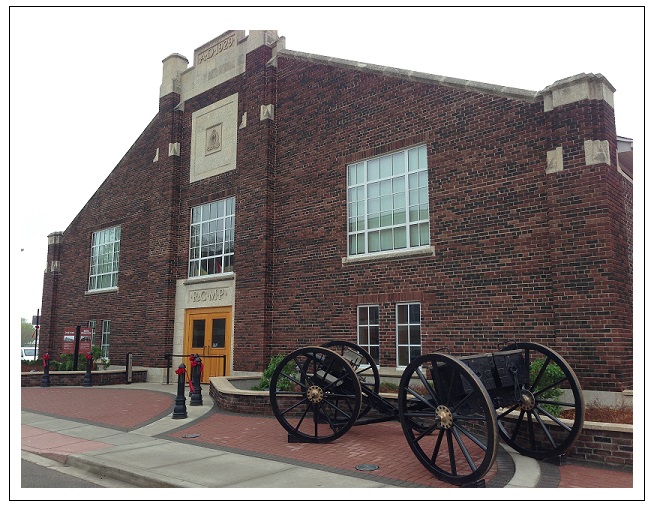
x,y
382,444
117,408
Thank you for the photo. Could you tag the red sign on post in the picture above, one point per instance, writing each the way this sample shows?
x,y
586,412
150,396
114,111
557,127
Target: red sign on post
x,y
69,340
85,340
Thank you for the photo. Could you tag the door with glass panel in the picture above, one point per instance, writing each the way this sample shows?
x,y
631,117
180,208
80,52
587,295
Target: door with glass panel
x,y
207,333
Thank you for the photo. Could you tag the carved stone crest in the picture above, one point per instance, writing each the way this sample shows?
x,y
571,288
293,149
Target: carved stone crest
x,y
214,139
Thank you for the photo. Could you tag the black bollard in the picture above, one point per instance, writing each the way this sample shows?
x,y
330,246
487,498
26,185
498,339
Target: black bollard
x,y
192,361
180,401
196,372
45,379
87,376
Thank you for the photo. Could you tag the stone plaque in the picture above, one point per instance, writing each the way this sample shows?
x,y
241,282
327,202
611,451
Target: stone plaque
x,y
214,139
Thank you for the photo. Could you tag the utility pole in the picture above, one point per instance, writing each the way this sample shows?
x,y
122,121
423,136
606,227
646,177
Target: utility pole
x,y
35,323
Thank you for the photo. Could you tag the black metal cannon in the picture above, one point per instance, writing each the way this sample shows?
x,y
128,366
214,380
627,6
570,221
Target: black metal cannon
x,y
452,409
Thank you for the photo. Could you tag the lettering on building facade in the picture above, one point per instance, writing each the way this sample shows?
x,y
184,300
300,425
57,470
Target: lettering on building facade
x,y
208,295
216,49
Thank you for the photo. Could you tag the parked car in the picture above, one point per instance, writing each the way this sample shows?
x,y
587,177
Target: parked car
x,y
28,353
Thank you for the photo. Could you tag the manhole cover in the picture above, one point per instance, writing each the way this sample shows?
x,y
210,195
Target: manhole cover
x,y
366,467
188,436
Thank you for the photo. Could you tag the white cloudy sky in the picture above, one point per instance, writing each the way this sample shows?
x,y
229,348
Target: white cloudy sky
x,y
84,83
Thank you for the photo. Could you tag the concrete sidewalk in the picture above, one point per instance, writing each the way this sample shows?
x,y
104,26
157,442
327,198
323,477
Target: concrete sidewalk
x,y
127,433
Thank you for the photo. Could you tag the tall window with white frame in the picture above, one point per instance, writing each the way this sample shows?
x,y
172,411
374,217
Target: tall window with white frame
x,y
92,325
408,332
211,245
105,254
106,331
388,207
368,330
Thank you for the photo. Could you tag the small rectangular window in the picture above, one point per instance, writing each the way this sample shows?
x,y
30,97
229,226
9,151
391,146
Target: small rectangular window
x,y
198,341
106,331
92,325
368,330
408,332
218,333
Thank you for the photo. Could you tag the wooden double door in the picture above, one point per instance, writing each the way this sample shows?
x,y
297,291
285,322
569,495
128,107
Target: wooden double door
x,y
208,333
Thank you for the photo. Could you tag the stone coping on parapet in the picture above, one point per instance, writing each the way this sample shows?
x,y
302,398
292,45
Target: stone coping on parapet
x,y
580,86
526,95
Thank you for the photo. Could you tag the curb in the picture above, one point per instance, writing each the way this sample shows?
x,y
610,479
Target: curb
x,y
111,470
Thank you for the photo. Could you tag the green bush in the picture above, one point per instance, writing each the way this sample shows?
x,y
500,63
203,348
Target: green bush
x,y
65,362
389,387
283,383
553,374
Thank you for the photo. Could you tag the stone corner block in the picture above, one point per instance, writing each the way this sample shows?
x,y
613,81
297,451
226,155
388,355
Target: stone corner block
x,y
554,160
596,152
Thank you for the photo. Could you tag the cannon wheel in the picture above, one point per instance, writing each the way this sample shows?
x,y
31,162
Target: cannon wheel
x,y
369,375
315,395
531,425
448,418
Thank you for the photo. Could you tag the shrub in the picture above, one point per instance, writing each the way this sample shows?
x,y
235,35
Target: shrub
x,y
36,363
553,374
283,383
388,387
65,363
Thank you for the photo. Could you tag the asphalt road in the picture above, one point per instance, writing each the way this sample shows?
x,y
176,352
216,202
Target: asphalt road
x,y
40,472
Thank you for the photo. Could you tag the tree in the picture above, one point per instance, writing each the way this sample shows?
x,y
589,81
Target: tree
x,y
26,333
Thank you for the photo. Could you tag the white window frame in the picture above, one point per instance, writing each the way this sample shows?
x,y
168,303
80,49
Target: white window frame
x,y
368,327
388,203
105,257
92,325
106,332
410,326
211,238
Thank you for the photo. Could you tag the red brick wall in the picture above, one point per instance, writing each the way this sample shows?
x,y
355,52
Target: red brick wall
x,y
139,195
590,232
252,187
604,446
486,157
76,378
519,255
47,330
244,404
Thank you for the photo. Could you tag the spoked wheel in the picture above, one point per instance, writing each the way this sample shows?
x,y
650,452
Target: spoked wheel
x,y
363,365
548,413
448,418
315,395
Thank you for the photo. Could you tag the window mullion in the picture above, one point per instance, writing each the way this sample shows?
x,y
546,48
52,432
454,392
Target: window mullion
x,y
208,241
407,194
366,207
384,202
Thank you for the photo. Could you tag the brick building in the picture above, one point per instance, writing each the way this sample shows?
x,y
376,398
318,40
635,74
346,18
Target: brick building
x,y
281,199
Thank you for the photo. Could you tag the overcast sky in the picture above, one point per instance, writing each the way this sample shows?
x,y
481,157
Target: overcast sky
x,y
84,83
